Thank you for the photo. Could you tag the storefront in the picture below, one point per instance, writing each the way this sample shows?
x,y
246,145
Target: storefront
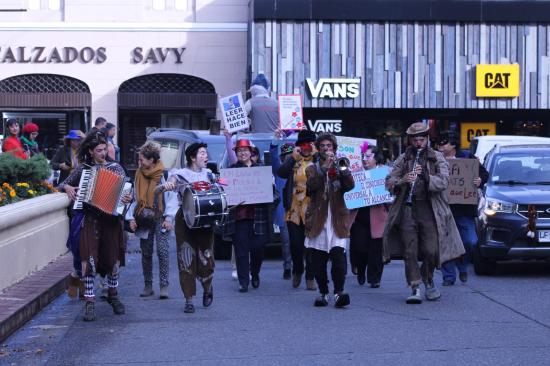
x,y
370,68
166,70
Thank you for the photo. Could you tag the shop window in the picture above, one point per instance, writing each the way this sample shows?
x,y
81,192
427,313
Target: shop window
x,y
54,4
34,4
159,4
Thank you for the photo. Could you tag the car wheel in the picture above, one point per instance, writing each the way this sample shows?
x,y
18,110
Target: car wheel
x,y
222,248
483,266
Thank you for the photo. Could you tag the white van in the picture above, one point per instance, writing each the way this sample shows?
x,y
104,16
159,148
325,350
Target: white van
x,y
481,145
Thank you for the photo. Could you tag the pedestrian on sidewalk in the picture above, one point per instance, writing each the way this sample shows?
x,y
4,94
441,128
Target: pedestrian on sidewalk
x,y
295,203
30,133
367,229
148,217
464,215
195,253
66,157
420,223
12,144
327,219
101,242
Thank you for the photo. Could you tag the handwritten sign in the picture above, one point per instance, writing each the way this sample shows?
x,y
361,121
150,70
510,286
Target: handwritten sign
x,y
290,112
369,188
350,147
461,189
248,185
234,115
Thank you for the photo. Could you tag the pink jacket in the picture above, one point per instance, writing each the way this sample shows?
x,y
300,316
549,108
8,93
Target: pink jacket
x,y
378,218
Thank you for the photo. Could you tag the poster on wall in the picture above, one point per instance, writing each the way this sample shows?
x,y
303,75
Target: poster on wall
x,y
234,115
291,116
248,186
369,188
461,189
350,147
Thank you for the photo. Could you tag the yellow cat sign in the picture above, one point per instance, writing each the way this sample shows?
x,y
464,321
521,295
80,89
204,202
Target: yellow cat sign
x,y
497,80
469,130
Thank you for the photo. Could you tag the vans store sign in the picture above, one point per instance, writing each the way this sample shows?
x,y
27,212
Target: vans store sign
x,y
85,55
334,88
497,80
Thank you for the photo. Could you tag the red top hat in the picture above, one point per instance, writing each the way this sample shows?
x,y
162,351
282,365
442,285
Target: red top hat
x,y
243,143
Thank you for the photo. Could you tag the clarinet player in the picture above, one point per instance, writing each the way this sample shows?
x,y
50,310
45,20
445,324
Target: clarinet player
x,y
418,180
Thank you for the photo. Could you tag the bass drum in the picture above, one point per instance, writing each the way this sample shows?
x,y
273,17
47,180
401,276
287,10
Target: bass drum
x,y
204,208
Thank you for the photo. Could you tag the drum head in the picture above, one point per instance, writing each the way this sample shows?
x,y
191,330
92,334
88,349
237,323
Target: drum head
x,y
189,207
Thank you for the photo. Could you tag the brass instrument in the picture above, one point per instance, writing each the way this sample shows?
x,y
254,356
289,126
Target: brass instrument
x,y
409,197
342,163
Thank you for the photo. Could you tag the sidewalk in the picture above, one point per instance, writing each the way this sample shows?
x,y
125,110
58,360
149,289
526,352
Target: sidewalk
x,y
20,302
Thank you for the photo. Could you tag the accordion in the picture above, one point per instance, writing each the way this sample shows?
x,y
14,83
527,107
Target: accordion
x,y
101,190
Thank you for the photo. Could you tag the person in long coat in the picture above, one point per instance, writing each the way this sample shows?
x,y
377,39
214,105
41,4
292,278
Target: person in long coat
x,y
420,222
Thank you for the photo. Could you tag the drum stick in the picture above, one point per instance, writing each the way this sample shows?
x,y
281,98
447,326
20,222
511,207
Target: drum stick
x,y
237,205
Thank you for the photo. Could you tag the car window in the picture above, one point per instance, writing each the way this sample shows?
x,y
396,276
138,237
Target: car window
x,y
169,153
215,152
527,168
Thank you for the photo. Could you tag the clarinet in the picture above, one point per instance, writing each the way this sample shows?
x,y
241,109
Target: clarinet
x,y
410,196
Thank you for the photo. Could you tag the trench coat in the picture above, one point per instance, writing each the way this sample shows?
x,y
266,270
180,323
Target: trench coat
x,y
437,176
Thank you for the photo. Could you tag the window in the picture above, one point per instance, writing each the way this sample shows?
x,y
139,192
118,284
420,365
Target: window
x,y
169,153
159,4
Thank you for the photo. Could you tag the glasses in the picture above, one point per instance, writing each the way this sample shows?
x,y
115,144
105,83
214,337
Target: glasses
x,y
443,142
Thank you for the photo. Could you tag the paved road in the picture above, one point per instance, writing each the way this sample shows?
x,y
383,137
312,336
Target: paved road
x,y
502,320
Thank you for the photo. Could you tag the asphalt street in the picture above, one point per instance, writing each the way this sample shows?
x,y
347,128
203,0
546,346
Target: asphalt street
x,y
500,320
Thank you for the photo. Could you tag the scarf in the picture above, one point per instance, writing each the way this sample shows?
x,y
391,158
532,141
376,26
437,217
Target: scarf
x,y
26,141
146,182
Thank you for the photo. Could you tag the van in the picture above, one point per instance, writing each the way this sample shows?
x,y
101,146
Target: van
x,y
481,145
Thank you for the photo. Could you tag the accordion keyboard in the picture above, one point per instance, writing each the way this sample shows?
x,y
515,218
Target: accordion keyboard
x,y
83,187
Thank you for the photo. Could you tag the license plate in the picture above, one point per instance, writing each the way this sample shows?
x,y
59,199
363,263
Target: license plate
x,y
544,236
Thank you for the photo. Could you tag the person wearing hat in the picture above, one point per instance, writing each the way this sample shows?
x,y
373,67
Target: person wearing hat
x,y
248,225
464,215
295,202
66,157
12,143
279,219
420,219
262,110
194,246
30,133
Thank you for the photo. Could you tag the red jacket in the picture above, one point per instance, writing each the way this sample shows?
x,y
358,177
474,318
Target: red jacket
x,y
14,146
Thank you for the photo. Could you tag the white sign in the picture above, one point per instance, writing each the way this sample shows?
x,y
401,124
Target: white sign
x,y
290,112
248,185
350,147
334,88
325,125
234,115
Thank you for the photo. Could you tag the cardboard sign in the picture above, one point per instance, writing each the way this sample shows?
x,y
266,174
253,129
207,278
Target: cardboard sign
x,y
369,188
248,185
350,147
461,189
290,112
234,115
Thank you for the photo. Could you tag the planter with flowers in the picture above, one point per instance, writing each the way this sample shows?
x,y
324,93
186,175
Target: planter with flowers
x,y
33,218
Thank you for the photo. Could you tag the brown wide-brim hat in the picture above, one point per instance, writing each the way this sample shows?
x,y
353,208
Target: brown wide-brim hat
x,y
418,128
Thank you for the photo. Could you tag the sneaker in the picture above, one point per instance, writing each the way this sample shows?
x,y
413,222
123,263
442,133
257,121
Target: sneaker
x,y
89,311
243,289
321,301
163,293
296,280
189,308
432,293
147,291
118,307
286,274
208,297
375,285
415,297
341,300
361,279
234,274
310,285
448,283
463,276
255,281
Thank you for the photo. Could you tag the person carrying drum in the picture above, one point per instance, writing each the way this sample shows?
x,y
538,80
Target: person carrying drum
x,y
195,253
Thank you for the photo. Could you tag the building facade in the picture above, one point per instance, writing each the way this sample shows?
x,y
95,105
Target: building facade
x,y
138,63
369,68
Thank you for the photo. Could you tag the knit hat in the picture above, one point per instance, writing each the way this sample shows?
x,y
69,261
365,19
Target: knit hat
x,y
30,128
260,79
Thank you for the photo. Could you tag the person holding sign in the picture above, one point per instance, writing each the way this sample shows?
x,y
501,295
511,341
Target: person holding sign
x,y
248,225
464,215
367,229
262,110
327,219
194,246
295,203
418,180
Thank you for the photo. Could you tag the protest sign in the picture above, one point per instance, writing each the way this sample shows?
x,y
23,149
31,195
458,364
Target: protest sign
x,y
350,147
234,115
248,185
461,189
290,112
369,188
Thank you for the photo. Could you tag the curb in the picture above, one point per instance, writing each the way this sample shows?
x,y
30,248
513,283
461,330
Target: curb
x,y
20,302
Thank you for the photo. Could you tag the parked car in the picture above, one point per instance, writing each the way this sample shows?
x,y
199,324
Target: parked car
x,y
481,145
519,176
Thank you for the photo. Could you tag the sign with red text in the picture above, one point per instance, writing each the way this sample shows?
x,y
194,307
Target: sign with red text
x,y
461,189
291,116
234,115
248,186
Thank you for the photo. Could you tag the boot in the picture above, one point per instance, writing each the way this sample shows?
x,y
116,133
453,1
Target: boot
x,y
296,280
89,311
310,285
147,290
163,292
72,287
118,307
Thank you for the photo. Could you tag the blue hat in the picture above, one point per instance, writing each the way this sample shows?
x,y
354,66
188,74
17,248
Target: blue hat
x,y
261,80
73,135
